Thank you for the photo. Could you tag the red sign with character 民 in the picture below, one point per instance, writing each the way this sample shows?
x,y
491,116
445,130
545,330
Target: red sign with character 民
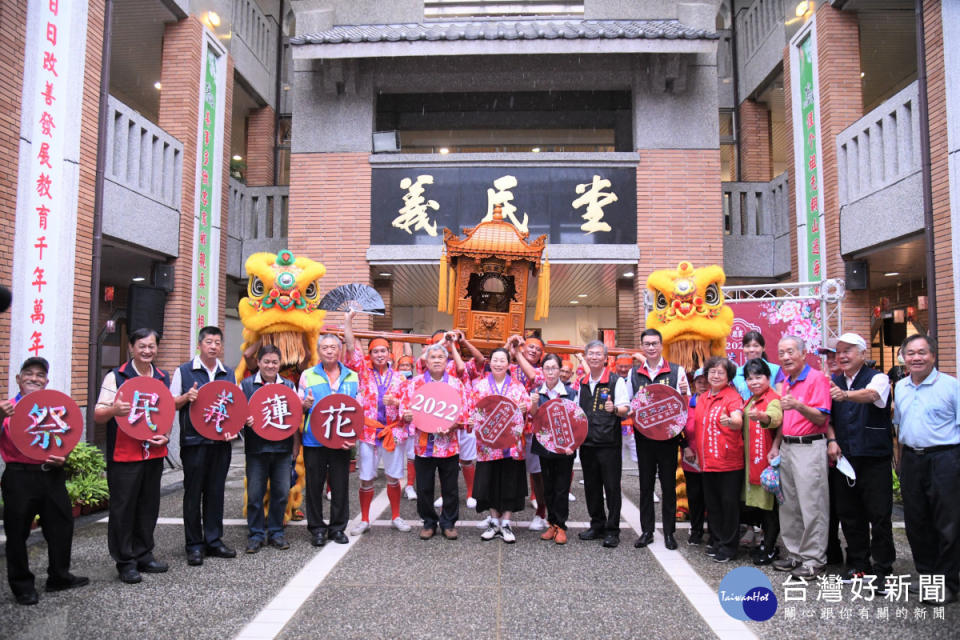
x,y
152,408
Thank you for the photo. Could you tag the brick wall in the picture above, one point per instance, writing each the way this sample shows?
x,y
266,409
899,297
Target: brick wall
x,y
940,183
756,155
179,101
13,26
260,143
679,213
330,217
841,104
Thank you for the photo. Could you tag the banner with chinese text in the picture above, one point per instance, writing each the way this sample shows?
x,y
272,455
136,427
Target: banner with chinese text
x,y
775,319
41,322
571,205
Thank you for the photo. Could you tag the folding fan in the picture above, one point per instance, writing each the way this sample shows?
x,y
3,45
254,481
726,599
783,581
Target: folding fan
x,y
359,297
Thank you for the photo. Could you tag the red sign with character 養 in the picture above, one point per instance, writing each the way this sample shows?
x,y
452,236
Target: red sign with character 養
x,y
219,411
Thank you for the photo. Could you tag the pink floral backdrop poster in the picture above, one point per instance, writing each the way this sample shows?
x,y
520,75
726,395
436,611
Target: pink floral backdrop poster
x,y
775,319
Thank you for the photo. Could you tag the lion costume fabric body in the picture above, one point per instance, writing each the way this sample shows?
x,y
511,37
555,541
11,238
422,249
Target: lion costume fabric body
x,y
280,309
690,313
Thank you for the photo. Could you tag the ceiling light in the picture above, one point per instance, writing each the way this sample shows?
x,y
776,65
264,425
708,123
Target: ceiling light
x,y
535,150
384,274
138,279
802,8
238,158
890,274
628,274
581,295
444,150
862,74
574,302
213,19
157,86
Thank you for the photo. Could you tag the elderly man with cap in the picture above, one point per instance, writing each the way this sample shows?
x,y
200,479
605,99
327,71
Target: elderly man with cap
x,y
808,440
384,434
927,415
861,421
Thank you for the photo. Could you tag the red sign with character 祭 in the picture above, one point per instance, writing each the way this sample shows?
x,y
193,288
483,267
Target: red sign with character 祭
x,y
560,426
219,411
494,424
151,408
46,423
336,421
435,407
659,412
277,411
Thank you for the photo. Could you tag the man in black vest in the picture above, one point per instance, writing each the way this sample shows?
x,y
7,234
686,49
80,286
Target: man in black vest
x,y
205,462
655,456
864,431
603,397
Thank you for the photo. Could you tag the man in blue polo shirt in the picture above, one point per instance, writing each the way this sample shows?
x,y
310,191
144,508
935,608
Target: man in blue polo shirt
x,y
323,463
927,415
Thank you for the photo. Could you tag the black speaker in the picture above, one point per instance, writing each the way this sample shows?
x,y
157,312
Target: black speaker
x,y
894,333
858,272
145,307
163,276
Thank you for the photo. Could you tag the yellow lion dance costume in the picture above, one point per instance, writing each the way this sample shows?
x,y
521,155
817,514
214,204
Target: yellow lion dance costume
x,y
280,309
690,314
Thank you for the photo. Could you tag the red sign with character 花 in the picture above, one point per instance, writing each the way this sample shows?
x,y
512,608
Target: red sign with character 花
x,y
336,421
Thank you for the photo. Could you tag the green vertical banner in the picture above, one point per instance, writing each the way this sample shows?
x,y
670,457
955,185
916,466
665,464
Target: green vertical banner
x,y
809,127
209,181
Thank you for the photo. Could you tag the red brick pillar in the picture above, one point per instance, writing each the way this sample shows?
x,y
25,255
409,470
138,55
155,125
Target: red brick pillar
x,y
261,133
940,180
756,156
330,217
179,116
679,213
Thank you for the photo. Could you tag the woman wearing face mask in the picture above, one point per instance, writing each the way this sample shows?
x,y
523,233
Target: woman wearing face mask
x,y
763,416
500,483
557,468
753,348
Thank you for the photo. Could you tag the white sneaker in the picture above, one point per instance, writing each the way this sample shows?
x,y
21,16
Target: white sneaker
x,y
507,534
400,524
656,498
361,528
534,503
491,531
410,492
438,502
571,497
483,524
537,524
581,481
471,503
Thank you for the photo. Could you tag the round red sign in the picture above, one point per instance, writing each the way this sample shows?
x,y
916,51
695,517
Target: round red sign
x,y
336,421
560,426
151,408
659,412
277,411
435,407
495,422
46,423
219,410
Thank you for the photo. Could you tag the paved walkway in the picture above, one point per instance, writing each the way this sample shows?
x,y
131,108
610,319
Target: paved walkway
x,y
387,584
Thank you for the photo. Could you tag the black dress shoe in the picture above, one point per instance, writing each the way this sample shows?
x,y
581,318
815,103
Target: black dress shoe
x,y
669,541
154,566
611,541
130,576
28,598
339,537
70,582
319,539
194,558
643,540
221,551
590,534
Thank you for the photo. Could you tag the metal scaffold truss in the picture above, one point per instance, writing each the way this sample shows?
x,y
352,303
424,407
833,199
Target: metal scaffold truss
x,y
829,292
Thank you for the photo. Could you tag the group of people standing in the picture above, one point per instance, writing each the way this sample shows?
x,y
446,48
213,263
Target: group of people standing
x,y
740,421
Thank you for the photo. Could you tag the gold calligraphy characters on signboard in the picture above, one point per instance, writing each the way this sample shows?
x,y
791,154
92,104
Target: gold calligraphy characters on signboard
x,y
504,197
595,199
414,213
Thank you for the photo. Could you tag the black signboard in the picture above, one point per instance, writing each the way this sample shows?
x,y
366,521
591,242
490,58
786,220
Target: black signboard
x,y
572,205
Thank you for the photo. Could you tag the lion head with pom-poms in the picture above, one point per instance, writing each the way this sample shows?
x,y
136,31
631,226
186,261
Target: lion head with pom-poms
x,y
280,309
690,314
